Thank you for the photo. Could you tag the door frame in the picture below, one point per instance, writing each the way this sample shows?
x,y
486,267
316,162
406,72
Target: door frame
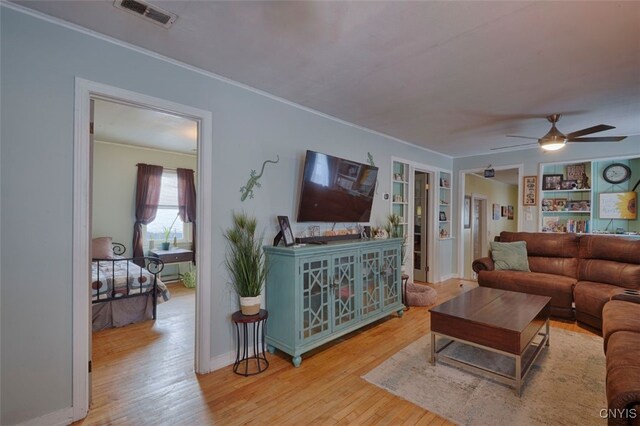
x,y
433,274
84,91
461,192
484,236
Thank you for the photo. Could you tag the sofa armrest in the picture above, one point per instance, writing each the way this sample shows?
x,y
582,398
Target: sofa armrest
x,y
483,264
634,298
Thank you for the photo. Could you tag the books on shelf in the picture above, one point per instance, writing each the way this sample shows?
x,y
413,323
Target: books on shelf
x,y
555,224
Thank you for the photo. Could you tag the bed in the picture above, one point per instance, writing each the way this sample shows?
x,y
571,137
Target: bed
x,y
122,292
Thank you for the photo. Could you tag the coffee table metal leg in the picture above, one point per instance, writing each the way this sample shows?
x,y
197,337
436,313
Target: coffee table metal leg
x,y
518,375
548,335
433,348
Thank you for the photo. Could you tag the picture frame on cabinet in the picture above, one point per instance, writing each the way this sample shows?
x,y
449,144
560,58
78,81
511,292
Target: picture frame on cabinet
x,y
559,204
551,182
547,204
287,233
530,184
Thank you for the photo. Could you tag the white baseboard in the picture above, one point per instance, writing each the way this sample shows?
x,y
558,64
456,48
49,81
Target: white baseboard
x,y
223,360
57,418
448,277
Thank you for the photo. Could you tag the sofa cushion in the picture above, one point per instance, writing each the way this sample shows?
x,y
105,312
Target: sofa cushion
x,y
612,260
604,247
618,315
548,253
590,297
607,271
510,256
559,288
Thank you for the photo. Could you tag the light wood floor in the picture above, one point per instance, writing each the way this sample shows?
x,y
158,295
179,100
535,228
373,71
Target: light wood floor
x,y
143,375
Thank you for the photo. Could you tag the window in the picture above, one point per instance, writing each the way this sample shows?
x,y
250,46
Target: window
x,y
168,211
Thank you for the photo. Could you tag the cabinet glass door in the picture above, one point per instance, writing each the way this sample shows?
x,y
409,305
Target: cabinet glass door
x,y
371,297
315,298
390,276
344,290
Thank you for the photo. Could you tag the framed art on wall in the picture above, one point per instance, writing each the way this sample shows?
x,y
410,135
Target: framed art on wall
x,y
618,205
530,184
496,212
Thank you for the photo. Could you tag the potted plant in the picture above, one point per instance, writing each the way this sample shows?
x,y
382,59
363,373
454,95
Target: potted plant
x,y
167,233
245,262
393,229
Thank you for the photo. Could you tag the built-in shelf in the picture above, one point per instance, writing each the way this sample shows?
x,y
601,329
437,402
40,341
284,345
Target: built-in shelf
x,y
567,211
446,238
566,190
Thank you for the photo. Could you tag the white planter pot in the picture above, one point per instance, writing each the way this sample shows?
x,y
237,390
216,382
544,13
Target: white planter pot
x,y
250,305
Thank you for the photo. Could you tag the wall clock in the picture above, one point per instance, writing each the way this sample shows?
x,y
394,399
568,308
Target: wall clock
x,y
616,173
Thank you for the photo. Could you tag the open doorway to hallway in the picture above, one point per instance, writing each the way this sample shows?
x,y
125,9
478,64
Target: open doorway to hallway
x,y
490,206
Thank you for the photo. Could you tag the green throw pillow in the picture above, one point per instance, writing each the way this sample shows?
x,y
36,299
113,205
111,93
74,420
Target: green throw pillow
x,y
510,256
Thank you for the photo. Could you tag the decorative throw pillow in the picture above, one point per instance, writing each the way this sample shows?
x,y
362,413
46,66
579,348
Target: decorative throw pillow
x,y
510,256
101,248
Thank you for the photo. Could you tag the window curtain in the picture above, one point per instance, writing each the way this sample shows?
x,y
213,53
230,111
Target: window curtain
x,y
187,203
147,196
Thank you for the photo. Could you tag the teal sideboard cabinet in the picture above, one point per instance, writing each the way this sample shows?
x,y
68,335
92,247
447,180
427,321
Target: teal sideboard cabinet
x,y
318,293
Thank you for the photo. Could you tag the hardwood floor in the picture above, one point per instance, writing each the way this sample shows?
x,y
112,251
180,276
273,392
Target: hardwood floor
x,y
143,374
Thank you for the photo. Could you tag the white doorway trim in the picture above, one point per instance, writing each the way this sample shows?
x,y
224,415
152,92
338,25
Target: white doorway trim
x,y
484,225
461,192
433,263
84,91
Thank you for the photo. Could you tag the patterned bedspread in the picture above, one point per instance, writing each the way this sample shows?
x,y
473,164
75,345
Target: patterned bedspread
x,y
115,273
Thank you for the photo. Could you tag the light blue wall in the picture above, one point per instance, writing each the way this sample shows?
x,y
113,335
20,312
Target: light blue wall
x,y
39,61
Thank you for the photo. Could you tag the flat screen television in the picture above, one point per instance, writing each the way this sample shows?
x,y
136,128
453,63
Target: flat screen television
x,y
336,190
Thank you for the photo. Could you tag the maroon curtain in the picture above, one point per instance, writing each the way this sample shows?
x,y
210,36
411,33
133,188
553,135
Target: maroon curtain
x,y
147,197
187,203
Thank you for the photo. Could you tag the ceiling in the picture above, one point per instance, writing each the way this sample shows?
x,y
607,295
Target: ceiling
x,y
455,77
138,126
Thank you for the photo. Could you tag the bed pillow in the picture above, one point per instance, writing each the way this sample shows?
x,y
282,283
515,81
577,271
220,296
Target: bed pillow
x,y
101,248
510,256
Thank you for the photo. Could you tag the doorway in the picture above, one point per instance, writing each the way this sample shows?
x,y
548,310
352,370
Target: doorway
x,y
420,226
479,233
84,92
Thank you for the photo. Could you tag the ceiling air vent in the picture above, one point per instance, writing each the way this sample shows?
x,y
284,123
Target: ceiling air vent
x,y
147,11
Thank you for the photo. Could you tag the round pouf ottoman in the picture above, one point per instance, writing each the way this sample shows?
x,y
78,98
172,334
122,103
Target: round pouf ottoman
x,y
420,295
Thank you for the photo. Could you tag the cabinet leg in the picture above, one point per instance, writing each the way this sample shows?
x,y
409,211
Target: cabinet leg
x,y
271,349
400,312
296,360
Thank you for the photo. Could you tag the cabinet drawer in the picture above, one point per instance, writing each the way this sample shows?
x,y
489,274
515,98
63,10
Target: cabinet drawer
x,y
177,257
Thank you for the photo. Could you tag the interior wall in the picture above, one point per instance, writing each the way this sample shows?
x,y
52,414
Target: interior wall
x,y
39,62
114,186
495,192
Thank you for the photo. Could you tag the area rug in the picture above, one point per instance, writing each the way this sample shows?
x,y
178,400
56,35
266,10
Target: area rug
x,y
566,385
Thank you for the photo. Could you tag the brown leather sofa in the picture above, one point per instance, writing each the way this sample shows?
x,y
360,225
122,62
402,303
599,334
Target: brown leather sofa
x,y
579,273
621,332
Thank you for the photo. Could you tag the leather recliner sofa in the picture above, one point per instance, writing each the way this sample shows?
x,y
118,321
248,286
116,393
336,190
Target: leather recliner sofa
x,y
579,272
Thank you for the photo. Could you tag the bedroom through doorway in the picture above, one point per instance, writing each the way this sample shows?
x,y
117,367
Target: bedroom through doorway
x,y
143,228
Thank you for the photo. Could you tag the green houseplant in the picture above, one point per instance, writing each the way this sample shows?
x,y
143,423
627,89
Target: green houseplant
x,y
167,233
394,230
245,262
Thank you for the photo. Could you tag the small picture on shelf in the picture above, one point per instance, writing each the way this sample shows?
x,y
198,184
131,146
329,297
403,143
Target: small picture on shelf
x,y
551,224
398,177
579,206
444,233
551,182
559,204
510,213
547,204
569,184
398,198
444,182
443,216
575,171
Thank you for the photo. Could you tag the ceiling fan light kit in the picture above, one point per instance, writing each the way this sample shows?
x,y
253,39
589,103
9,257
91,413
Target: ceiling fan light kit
x,y
555,139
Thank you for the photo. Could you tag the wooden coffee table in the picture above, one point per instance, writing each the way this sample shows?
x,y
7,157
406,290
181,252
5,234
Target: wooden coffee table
x,y
500,321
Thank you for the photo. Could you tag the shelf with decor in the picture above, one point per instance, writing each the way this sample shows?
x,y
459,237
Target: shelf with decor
x,y
400,194
444,205
596,196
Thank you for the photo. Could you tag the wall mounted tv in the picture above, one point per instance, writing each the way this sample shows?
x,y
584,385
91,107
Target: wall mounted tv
x,y
336,190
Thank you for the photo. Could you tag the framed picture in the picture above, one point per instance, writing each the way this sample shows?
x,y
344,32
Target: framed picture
x,y
510,213
559,204
503,211
443,217
569,184
547,204
618,205
530,185
575,171
551,182
496,212
467,212
287,233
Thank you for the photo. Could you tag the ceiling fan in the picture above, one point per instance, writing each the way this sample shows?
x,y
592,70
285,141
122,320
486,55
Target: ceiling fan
x,y
554,139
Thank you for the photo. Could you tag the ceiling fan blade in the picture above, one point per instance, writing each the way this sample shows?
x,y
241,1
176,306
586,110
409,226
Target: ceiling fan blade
x,y
522,137
600,139
589,130
513,146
